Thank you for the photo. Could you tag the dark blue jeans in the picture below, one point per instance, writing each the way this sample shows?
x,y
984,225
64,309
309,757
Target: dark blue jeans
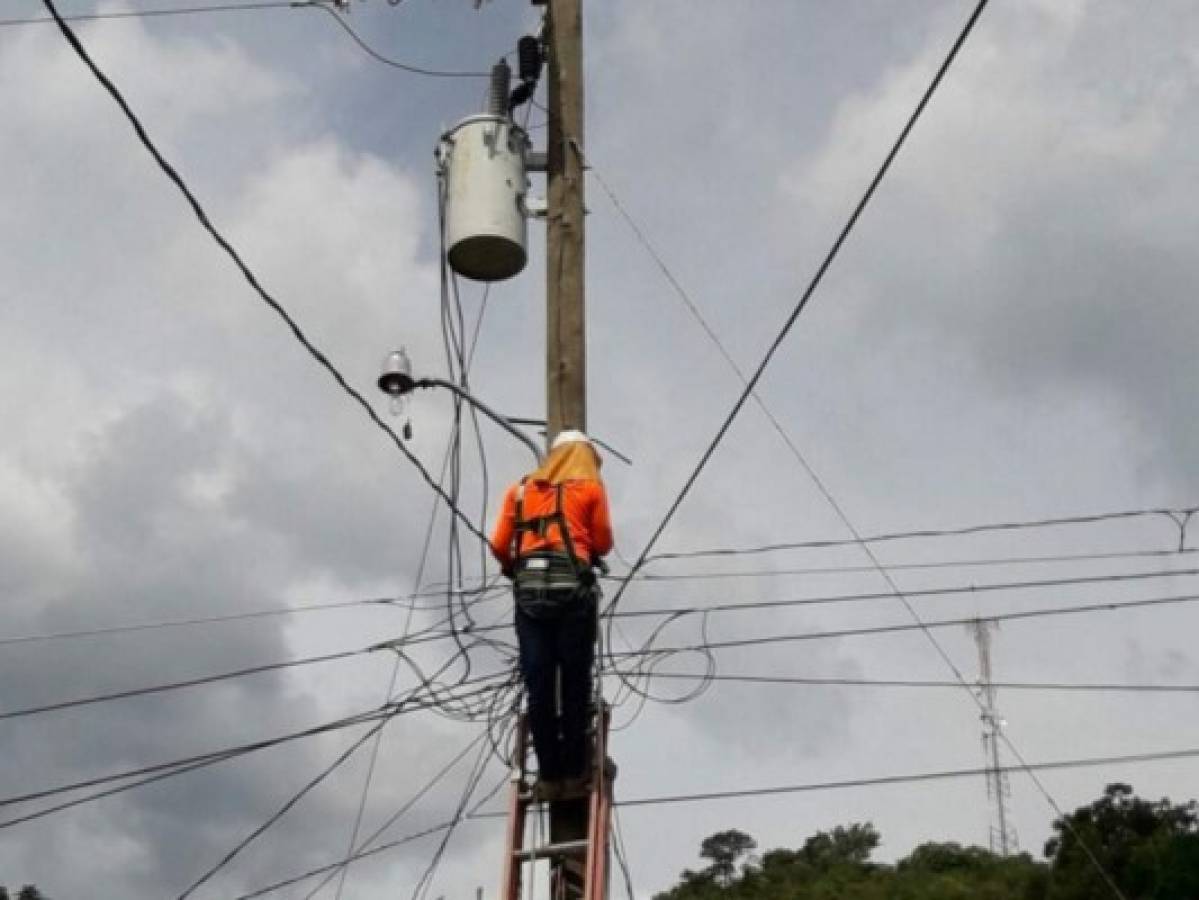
x,y
552,649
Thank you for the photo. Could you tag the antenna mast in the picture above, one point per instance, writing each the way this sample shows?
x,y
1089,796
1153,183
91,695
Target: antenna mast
x,y
1003,836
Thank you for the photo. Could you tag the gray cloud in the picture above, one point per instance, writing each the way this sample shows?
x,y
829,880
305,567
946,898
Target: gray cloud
x,y
1009,334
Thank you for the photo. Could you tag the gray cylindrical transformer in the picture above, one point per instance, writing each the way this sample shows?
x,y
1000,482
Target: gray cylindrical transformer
x,y
483,160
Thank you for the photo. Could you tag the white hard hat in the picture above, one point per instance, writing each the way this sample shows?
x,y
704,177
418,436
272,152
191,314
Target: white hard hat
x,y
569,436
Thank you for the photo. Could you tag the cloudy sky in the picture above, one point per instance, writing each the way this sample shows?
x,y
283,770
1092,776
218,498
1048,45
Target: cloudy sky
x,y
1009,334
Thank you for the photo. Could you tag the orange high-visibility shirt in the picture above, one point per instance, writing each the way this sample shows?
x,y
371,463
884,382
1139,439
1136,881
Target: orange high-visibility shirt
x,y
585,505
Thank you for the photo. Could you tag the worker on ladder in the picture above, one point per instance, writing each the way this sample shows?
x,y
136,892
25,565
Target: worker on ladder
x,y
552,531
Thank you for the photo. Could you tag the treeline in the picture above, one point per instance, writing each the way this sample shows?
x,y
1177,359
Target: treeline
x,y
1148,849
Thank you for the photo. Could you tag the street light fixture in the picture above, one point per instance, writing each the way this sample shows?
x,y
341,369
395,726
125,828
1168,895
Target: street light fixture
x,y
398,382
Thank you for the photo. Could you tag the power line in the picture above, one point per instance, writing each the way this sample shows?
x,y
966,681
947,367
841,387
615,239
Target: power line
x,y
669,614
212,756
480,688
331,867
472,816
429,635
921,592
153,13
923,625
355,848
691,307
930,533
673,615
1117,556
622,855
749,391
944,590
321,359
185,623
809,291
162,771
374,757
283,810
458,360
472,784
910,779
409,600
451,445
249,7
181,685
650,657
395,64
709,796
1073,686
964,563
394,709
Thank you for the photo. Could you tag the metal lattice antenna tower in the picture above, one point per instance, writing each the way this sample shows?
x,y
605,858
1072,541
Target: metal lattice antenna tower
x,y
1003,836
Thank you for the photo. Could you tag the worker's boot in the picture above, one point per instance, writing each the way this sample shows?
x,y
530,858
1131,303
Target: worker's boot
x,y
610,770
547,790
575,788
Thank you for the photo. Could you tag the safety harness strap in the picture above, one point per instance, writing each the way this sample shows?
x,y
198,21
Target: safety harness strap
x,y
547,581
540,525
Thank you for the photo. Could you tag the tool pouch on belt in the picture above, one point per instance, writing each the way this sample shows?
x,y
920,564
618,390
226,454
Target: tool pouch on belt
x,y
548,585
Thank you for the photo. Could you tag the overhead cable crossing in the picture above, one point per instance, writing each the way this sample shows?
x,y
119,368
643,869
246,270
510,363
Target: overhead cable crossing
x,y
776,790
413,703
753,381
804,299
286,807
432,635
501,592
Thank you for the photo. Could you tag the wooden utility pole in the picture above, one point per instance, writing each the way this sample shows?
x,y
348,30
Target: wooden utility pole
x,y
566,343
566,347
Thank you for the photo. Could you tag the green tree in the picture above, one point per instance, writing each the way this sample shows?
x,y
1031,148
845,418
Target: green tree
x,y
725,849
1150,849
28,892
949,871
830,864
842,846
941,858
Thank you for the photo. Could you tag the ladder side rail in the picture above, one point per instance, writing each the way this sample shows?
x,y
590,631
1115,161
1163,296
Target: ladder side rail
x,y
598,877
599,813
517,812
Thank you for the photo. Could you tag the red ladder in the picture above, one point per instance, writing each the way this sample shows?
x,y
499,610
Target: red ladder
x,y
578,867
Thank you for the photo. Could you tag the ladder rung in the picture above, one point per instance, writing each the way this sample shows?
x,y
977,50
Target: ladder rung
x,y
547,851
528,794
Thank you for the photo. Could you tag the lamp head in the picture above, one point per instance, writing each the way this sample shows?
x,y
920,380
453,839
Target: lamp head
x,y
396,379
